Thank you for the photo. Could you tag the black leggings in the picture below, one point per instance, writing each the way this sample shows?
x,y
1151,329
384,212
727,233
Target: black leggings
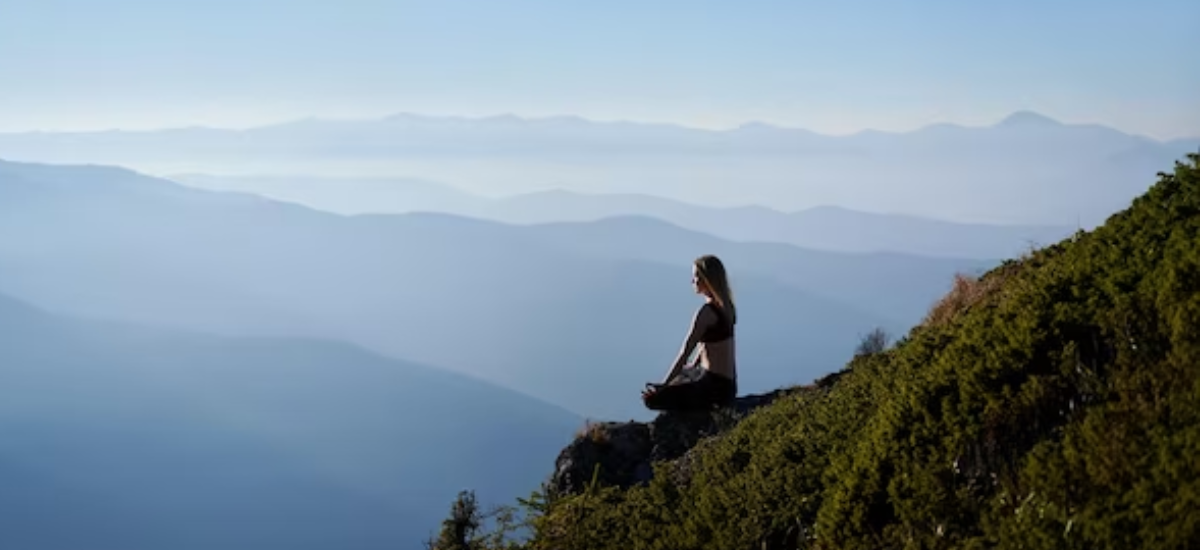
x,y
709,391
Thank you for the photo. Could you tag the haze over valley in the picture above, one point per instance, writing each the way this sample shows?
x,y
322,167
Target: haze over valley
x,y
141,437
280,275
528,306
1024,169
272,323
821,228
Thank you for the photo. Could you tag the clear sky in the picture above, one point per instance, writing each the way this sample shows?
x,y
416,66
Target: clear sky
x,y
834,67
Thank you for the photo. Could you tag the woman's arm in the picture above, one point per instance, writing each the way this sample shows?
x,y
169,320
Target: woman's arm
x,y
700,321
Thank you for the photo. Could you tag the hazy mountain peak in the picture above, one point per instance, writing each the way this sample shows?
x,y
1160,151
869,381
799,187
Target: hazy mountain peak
x,y
1028,119
833,211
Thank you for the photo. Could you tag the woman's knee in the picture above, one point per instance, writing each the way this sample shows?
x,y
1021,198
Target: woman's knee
x,y
653,401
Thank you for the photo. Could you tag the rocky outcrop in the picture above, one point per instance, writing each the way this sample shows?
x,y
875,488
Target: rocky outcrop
x,y
622,453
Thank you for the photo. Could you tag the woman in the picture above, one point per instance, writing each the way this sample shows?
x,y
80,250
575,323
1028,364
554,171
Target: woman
x,y
714,380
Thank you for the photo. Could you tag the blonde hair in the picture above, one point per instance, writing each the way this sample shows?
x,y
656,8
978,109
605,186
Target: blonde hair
x,y
716,280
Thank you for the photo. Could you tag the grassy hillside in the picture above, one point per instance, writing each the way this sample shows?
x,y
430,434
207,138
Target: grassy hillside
x,y
1053,403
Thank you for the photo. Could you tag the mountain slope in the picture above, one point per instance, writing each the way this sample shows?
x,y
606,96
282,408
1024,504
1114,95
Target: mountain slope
x,y
572,328
1010,172
137,438
822,228
895,286
1054,403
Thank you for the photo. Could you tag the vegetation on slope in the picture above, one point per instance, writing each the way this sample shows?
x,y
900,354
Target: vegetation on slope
x,y
1053,403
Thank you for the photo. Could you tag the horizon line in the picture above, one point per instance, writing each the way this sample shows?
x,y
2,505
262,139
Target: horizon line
x,y
1033,117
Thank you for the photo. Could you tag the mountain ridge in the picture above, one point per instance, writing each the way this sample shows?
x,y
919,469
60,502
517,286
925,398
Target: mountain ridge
x,y
827,227
417,287
1014,119
1011,173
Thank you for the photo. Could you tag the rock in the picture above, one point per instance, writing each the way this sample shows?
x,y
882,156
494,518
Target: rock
x,y
622,454
612,453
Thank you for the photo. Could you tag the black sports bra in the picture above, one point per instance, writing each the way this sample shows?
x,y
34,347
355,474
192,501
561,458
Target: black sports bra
x,y
722,330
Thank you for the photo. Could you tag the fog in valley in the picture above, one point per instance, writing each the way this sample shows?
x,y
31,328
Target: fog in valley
x,y
287,285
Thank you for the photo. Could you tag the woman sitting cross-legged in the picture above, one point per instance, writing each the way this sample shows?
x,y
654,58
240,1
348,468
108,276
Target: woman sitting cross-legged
x,y
712,382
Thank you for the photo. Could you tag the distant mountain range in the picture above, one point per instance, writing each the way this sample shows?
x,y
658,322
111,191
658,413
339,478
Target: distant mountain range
x,y
822,228
138,438
579,315
1025,169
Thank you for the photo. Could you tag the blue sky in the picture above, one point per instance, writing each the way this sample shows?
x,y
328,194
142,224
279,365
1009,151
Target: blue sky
x,y
835,67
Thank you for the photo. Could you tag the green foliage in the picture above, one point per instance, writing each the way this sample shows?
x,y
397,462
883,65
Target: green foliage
x,y
875,341
470,528
1058,407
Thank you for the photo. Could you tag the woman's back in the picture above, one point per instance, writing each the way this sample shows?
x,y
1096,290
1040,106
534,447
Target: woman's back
x,y
718,347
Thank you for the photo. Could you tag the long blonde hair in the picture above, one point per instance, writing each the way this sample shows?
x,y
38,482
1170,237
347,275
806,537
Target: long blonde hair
x,y
716,280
